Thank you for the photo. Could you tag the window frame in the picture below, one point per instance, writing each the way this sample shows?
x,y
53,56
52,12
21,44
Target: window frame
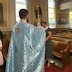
x,y
54,9
17,13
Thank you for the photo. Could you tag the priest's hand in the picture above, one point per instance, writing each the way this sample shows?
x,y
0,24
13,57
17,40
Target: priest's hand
x,y
38,20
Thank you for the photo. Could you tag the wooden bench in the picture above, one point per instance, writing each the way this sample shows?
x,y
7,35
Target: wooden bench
x,y
61,49
6,46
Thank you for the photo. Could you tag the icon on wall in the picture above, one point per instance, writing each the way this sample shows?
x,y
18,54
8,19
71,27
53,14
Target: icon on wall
x,y
63,18
38,12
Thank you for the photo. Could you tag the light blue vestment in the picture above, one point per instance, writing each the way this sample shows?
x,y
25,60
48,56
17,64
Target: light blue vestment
x,y
27,49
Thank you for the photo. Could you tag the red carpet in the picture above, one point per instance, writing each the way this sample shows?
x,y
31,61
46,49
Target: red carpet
x,y
54,68
68,69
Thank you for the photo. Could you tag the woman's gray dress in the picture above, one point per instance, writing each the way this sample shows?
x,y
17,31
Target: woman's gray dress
x,y
48,53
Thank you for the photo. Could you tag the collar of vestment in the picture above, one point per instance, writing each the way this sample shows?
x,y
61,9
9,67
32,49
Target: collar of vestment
x,y
24,21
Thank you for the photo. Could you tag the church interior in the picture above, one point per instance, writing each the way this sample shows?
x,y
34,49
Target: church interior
x,y
57,14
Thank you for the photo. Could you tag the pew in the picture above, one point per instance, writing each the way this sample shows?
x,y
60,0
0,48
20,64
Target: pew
x,y
61,49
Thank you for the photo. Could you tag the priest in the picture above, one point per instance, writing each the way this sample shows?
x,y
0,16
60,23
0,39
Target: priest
x,y
27,47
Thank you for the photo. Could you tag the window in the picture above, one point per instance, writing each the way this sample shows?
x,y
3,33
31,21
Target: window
x,y
70,18
19,4
51,14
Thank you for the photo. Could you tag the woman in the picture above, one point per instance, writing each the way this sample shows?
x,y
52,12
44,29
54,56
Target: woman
x,y
48,53
1,38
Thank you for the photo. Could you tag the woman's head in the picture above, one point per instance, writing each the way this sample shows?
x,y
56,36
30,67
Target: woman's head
x,y
44,24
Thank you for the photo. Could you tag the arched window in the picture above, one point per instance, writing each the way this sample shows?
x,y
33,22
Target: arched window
x,y
51,14
19,4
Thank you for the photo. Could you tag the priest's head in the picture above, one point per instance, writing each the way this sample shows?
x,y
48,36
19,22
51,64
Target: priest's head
x,y
23,14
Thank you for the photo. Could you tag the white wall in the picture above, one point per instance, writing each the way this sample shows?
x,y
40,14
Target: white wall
x,y
11,12
31,7
66,5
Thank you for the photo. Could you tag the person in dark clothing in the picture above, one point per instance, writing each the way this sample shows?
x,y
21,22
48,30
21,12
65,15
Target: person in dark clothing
x,y
48,53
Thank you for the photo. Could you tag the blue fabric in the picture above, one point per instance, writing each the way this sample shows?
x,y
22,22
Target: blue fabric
x,y
27,49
